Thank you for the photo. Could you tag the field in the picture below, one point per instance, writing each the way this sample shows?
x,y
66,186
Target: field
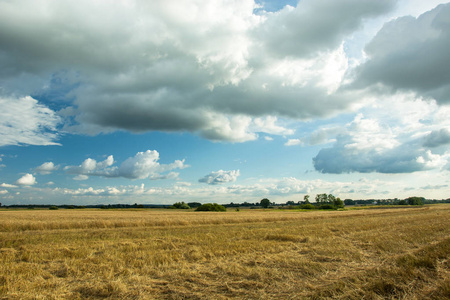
x,y
398,253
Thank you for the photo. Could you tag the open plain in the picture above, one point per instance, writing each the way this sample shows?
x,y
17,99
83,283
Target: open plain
x,y
400,253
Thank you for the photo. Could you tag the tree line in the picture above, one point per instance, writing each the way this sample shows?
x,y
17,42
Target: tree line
x,y
322,201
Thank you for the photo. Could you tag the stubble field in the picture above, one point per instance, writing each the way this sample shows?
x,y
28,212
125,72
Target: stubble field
x,y
398,253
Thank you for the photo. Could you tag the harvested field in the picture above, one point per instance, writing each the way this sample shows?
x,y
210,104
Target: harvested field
x,y
251,254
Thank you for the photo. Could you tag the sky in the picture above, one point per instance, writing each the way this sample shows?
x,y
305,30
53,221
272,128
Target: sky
x,y
155,102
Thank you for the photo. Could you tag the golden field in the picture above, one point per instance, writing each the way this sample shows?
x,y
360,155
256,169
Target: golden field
x,y
400,253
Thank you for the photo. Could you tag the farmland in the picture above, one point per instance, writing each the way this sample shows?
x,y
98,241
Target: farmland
x,y
250,254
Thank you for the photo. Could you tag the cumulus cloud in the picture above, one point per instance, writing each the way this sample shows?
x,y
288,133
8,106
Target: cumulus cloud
x,y
213,68
324,135
7,185
316,25
47,168
108,191
411,53
220,177
394,141
81,177
27,179
293,142
145,164
91,167
25,121
142,165
437,138
269,125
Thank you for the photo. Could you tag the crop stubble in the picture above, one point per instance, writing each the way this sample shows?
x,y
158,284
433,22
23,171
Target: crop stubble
x,y
251,254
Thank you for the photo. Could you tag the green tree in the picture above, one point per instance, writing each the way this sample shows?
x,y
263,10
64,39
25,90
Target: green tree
x,y
349,202
329,201
265,203
306,199
321,198
331,198
194,204
338,203
415,200
180,205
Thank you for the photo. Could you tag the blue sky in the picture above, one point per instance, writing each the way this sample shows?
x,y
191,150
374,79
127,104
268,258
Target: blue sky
x,y
223,101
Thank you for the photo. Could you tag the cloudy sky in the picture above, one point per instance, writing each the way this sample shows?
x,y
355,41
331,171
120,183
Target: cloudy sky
x,y
137,101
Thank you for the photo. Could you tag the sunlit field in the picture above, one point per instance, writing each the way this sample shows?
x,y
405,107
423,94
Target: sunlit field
x,y
398,253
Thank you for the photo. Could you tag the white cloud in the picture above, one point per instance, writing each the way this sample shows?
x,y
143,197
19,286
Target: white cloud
x,y
170,175
7,185
277,189
27,179
293,142
142,165
47,168
233,129
324,135
397,140
241,128
145,164
411,53
81,177
220,177
308,28
214,68
91,167
25,121
269,125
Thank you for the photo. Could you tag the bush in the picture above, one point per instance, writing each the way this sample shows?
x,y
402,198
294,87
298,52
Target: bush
x,y
327,206
338,203
53,207
211,207
307,206
180,205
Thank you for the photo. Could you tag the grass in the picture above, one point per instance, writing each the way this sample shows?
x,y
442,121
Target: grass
x,y
250,254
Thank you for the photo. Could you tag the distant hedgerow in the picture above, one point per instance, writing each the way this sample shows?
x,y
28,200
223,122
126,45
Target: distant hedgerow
x,y
327,206
211,207
307,206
